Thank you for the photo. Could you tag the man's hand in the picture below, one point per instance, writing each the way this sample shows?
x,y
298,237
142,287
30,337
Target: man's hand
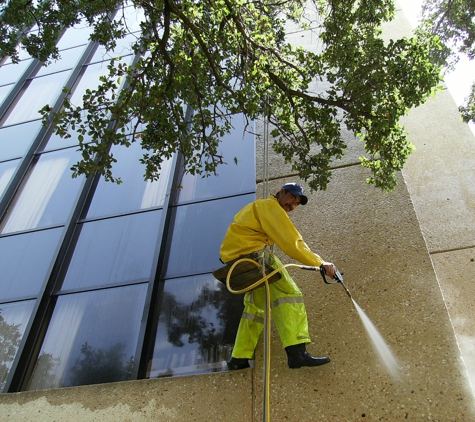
x,y
329,269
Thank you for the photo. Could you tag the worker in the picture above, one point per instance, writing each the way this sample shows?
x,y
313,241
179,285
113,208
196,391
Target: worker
x,y
262,223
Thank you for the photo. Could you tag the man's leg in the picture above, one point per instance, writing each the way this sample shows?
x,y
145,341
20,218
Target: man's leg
x,y
290,316
249,330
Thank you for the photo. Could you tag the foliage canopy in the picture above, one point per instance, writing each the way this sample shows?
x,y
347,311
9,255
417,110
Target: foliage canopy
x,y
453,22
222,57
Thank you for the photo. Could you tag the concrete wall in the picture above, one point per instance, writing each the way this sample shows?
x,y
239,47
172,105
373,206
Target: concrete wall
x,y
402,254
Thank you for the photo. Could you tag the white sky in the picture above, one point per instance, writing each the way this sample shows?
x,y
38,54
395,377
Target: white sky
x,y
458,81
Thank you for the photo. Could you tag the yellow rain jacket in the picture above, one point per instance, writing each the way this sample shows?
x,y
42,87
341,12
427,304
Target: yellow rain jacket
x,y
260,223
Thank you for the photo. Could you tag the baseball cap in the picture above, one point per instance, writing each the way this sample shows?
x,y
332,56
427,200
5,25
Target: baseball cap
x,y
296,190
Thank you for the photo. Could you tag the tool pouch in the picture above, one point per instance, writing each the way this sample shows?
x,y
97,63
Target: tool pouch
x,y
245,273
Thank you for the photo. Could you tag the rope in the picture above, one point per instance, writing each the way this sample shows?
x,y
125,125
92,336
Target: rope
x,y
267,319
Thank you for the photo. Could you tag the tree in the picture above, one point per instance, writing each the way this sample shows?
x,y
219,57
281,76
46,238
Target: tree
x,y
222,57
10,337
453,21
101,366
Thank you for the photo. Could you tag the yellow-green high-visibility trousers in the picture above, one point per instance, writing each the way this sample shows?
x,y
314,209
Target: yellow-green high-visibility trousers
x,y
288,312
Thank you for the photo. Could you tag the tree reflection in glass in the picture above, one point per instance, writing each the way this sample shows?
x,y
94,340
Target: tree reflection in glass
x,y
196,328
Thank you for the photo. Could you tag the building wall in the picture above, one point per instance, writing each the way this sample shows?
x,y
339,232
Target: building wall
x,y
407,258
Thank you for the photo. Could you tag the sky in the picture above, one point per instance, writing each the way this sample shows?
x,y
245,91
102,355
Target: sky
x,y
458,81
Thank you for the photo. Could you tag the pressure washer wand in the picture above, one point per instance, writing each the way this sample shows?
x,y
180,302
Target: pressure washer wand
x,y
337,277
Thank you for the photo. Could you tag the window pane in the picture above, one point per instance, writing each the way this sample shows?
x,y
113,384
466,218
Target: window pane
x,y
122,49
234,177
114,250
91,338
15,140
13,320
133,193
35,95
4,91
10,73
6,172
47,196
78,35
68,60
197,325
25,261
198,232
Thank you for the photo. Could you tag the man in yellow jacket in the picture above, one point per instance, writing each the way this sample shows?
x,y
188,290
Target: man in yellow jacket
x,y
259,224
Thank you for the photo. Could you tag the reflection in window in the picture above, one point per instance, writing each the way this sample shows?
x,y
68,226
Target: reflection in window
x,y
6,172
133,193
115,250
197,324
198,232
24,262
15,140
91,338
47,196
234,177
35,95
13,320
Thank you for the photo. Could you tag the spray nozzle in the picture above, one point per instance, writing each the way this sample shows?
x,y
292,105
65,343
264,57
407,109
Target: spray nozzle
x,y
338,278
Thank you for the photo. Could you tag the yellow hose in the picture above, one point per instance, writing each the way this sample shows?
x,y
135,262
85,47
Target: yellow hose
x,y
267,316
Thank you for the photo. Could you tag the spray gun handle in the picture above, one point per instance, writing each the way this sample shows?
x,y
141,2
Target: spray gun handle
x,y
338,278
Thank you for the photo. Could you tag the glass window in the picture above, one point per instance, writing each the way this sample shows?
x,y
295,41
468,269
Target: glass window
x,y
197,325
16,140
35,95
4,91
133,193
13,320
25,261
77,35
7,170
122,49
68,60
237,176
113,251
91,338
10,73
47,195
198,232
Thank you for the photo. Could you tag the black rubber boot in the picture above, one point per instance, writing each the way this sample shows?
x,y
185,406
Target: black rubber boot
x,y
297,356
238,363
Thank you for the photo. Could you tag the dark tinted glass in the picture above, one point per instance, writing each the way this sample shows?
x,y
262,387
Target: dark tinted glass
x,y
133,193
13,320
114,250
15,140
237,176
197,325
91,338
198,232
47,195
24,262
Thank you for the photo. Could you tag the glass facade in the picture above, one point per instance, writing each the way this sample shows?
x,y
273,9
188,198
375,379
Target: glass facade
x,y
102,282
